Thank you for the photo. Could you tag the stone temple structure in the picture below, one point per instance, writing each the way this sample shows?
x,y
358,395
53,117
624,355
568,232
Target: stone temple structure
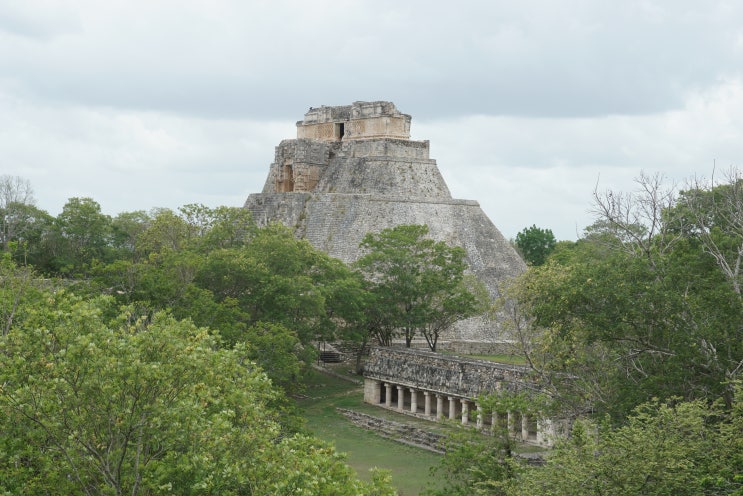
x,y
433,386
353,169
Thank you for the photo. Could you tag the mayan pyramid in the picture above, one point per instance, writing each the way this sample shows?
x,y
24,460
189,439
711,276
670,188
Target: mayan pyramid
x,y
353,169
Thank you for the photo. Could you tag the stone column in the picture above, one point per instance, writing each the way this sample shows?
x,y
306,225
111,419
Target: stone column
x,y
439,407
479,416
427,403
400,398
524,427
372,391
510,420
465,412
543,432
413,400
388,395
452,408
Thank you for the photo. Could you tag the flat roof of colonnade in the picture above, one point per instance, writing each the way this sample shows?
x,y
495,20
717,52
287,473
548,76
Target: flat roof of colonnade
x,y
445,374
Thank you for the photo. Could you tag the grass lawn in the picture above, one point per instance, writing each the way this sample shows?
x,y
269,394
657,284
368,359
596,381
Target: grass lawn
x,y
409,466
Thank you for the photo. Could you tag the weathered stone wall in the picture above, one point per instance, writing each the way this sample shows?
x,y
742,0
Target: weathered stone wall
x,y
325,131
385,148
336,223
326,113
395,430
434,387
384,166
503,347
335,192
378,127
443,374
298,165
407,179
361,120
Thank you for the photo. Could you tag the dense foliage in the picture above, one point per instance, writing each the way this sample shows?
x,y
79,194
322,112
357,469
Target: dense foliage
x,y
663,448
416,285
680,448
637,328
155,352
642,307
535,244
158,350
97,401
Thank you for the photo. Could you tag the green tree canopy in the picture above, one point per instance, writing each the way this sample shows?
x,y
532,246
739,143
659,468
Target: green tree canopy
x,y
417,284
535,244
679,448
278,278
146,405
82,235
636,309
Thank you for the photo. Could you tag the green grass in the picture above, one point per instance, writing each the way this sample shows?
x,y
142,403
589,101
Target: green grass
x,y
409,466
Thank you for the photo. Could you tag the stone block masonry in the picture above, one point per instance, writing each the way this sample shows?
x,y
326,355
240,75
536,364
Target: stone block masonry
x,y
397,431
353,170
435,387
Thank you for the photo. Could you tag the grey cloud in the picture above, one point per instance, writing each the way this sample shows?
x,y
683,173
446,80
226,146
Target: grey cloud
x,y
527,104
41,23
489,58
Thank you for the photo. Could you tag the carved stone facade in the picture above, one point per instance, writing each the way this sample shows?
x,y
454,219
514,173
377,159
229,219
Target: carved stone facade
x,y
353,170
362,120
434,387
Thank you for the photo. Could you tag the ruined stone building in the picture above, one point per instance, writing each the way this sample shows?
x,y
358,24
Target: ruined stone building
x,y
353,169
433,386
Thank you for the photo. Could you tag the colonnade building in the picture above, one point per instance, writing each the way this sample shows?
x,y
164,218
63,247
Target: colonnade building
x,y
435,387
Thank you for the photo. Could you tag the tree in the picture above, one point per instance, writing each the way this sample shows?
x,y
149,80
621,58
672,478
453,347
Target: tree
x,y
535,244
166,232
24,229
712,212
634,310
479,463
679,448
14,191
665,447
221,227
159,256
82,236
141,405
474,463
29,232
126,228
280,279
463,300
196,228
418,284
278,352
17,285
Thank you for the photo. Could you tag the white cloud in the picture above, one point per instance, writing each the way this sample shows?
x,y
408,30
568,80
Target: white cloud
x,y
544,171
527,105
135,160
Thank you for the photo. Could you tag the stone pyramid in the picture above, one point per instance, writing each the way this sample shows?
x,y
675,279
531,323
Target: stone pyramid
x,y
353,169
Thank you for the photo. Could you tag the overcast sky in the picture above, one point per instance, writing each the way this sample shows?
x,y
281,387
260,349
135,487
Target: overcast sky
x,y
528,105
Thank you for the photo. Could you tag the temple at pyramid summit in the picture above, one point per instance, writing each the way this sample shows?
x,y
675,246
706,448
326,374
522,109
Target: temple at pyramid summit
x,y
353,169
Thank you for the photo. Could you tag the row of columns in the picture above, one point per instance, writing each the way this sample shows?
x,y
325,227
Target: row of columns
x,y
521,426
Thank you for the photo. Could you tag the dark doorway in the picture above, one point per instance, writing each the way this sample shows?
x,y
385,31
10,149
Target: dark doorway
x,y
340,130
